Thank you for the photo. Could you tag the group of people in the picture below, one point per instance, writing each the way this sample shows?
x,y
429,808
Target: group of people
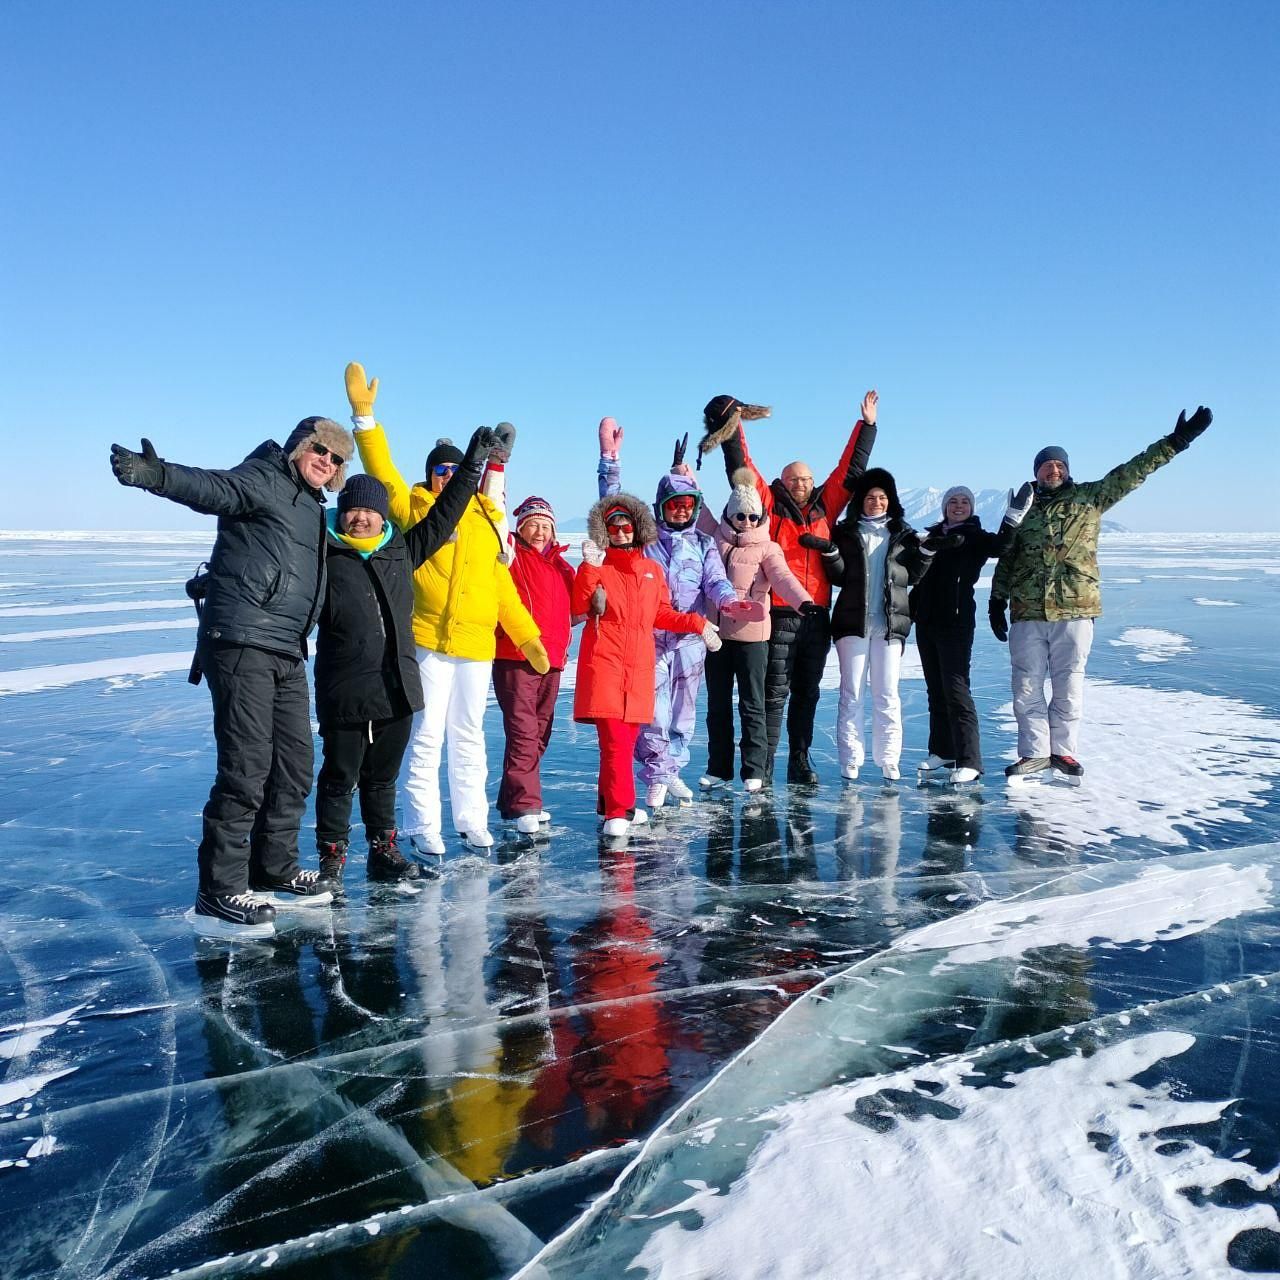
x,y
424,594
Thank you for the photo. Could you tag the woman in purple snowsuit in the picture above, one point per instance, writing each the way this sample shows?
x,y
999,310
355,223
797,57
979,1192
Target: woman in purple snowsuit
x,y
697,583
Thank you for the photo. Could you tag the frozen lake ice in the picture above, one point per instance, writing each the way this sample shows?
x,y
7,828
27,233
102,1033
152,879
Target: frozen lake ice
x,y
859,1031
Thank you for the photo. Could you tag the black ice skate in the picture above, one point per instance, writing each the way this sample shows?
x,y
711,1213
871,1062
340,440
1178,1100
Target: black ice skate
x,y
231,915
1070,768
302,889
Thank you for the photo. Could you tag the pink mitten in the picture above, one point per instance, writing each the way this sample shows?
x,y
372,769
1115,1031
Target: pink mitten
x,y
610,437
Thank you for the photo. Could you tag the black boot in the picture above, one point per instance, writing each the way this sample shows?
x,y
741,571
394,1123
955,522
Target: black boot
x,y
386,862
800,771
333,857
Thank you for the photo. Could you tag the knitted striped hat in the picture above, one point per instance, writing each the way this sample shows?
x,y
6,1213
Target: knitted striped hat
x,y
534,506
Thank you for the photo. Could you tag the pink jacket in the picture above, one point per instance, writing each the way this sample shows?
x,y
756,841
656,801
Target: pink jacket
x,y
755,565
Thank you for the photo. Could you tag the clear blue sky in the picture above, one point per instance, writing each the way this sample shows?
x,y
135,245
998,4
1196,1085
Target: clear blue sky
x,y
1023,224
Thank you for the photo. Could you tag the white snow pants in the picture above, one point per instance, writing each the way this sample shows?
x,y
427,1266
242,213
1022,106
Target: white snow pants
x,y
1058,650
454,692
872,660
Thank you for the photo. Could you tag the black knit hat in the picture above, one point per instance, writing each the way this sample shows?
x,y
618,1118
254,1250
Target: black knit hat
x,y
364,491
1050,453
445,451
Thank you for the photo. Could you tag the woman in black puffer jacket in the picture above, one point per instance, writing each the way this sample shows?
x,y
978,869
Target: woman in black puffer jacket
x,y
881,557
942,607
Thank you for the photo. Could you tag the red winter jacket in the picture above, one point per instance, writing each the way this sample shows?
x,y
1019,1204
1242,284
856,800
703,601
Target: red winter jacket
x,y
544,581
787,521
616,659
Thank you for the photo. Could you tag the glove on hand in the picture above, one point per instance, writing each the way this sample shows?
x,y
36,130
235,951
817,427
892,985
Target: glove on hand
x,y
677,457
598,603
591,554
610,438
1018,504
1186,431
936,542
360,394
481,442
711,638
536,656
811,610
815,543
504,442
744,611
138,470
999,623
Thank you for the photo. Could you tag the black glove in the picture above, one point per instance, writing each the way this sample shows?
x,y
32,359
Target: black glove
x,y
999,623
138,470
941,541
1018,504
815,543
811,610
479,447
504,442
1185,432
677,456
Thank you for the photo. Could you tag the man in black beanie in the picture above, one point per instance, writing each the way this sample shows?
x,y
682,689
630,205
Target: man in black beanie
x,y
266,585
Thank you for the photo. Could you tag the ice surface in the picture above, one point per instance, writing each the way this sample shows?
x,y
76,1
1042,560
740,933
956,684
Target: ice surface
x,y
863,1031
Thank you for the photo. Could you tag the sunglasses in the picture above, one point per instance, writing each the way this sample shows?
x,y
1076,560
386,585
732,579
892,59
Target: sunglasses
x,y
445,468
748,515
321,452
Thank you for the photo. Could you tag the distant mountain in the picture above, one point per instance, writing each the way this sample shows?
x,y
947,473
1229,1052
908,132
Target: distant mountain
x,y
924,507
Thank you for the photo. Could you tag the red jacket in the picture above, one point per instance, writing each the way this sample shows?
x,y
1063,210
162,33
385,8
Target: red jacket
x,y
544,581
616,659
787,521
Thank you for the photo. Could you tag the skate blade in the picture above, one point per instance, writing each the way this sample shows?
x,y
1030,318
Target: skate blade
x,y
291,902
216,927
1021,780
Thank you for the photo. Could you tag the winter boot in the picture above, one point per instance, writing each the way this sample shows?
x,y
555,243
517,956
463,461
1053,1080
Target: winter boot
x,y
333,858
800,772
1025,766
386,862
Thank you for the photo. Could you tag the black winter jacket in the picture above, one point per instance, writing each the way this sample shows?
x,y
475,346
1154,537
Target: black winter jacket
x,y
905,564
366,658
266,573
943,598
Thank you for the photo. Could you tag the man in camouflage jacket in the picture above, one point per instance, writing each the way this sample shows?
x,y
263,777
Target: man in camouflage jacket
x,y
1049,575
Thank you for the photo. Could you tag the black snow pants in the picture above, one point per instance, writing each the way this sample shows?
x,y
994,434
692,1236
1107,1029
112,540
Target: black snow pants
x,y
798,649
953,720
366,756
262,728
744,661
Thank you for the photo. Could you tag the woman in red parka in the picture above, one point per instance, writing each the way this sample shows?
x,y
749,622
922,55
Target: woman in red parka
x,y
544,579
626,594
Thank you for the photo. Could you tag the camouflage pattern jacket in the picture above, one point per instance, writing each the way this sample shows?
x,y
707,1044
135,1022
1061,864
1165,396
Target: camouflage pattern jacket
x,y
1049,571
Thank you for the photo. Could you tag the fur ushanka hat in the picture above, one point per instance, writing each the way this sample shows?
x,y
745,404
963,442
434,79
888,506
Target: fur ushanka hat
x,y
326,432
721,417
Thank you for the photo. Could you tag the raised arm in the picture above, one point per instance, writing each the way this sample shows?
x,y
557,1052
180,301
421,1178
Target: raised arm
x,y
609,471
737,456
426,537
371,441
1124,479
853,460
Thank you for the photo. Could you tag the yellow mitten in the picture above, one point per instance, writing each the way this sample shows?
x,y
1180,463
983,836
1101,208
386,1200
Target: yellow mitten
x,y
536,656
360,393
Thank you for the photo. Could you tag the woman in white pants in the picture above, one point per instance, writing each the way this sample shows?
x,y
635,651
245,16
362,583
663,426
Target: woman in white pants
x,y
881,558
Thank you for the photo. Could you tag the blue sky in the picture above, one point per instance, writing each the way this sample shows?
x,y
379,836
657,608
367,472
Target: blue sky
x,y
1023,225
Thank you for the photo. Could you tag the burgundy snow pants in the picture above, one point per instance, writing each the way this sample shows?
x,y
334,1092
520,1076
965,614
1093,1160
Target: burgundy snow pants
x,y
528,703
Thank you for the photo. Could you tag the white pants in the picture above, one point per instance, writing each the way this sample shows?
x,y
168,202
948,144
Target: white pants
x,y
1058,650
454,692
873,660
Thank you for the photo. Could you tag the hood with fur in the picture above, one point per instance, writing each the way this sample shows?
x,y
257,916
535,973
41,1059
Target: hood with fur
x,y
646,531
326,432
874,478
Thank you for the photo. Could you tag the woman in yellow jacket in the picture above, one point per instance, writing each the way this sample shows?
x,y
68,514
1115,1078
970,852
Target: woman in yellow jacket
x,y
460,595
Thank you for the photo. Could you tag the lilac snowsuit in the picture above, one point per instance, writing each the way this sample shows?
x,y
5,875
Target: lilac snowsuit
x,y
696,580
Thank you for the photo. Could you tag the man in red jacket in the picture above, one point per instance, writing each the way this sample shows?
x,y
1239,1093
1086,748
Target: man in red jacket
x,y
800,514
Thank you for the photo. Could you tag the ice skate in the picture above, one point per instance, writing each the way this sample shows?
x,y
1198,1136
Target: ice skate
x,y
544,819
849,772
709,783
656,796
963,776
639,818
891,773
934,764
527,824
426,847
387,863
477,838
679,791
301,890
231,915
615,827
1025,769
752,785
1071,770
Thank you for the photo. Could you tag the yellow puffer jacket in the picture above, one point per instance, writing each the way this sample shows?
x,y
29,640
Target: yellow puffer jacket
x,y
463,592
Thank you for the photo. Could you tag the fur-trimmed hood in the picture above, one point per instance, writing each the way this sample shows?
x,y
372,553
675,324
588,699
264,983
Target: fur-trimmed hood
x,y
326,432
874,478
641,517
721,417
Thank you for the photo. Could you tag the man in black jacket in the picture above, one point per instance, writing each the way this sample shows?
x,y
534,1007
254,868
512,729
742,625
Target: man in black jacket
x,y
266,586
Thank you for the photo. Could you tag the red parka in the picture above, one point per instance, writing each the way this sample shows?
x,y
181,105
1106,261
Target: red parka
x,y
544,580
616,659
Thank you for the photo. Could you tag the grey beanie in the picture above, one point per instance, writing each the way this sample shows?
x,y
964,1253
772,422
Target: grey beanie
x,y
1050,453
961,491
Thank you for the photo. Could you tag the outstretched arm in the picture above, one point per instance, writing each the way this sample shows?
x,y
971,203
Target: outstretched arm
x,y
426,537
1124,479
238,492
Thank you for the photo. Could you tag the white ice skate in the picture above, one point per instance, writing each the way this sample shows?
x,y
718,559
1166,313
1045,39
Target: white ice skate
x,y
678,791
656,796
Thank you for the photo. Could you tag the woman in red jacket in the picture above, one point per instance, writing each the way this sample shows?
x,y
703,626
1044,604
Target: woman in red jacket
x,y
544,580
626,593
